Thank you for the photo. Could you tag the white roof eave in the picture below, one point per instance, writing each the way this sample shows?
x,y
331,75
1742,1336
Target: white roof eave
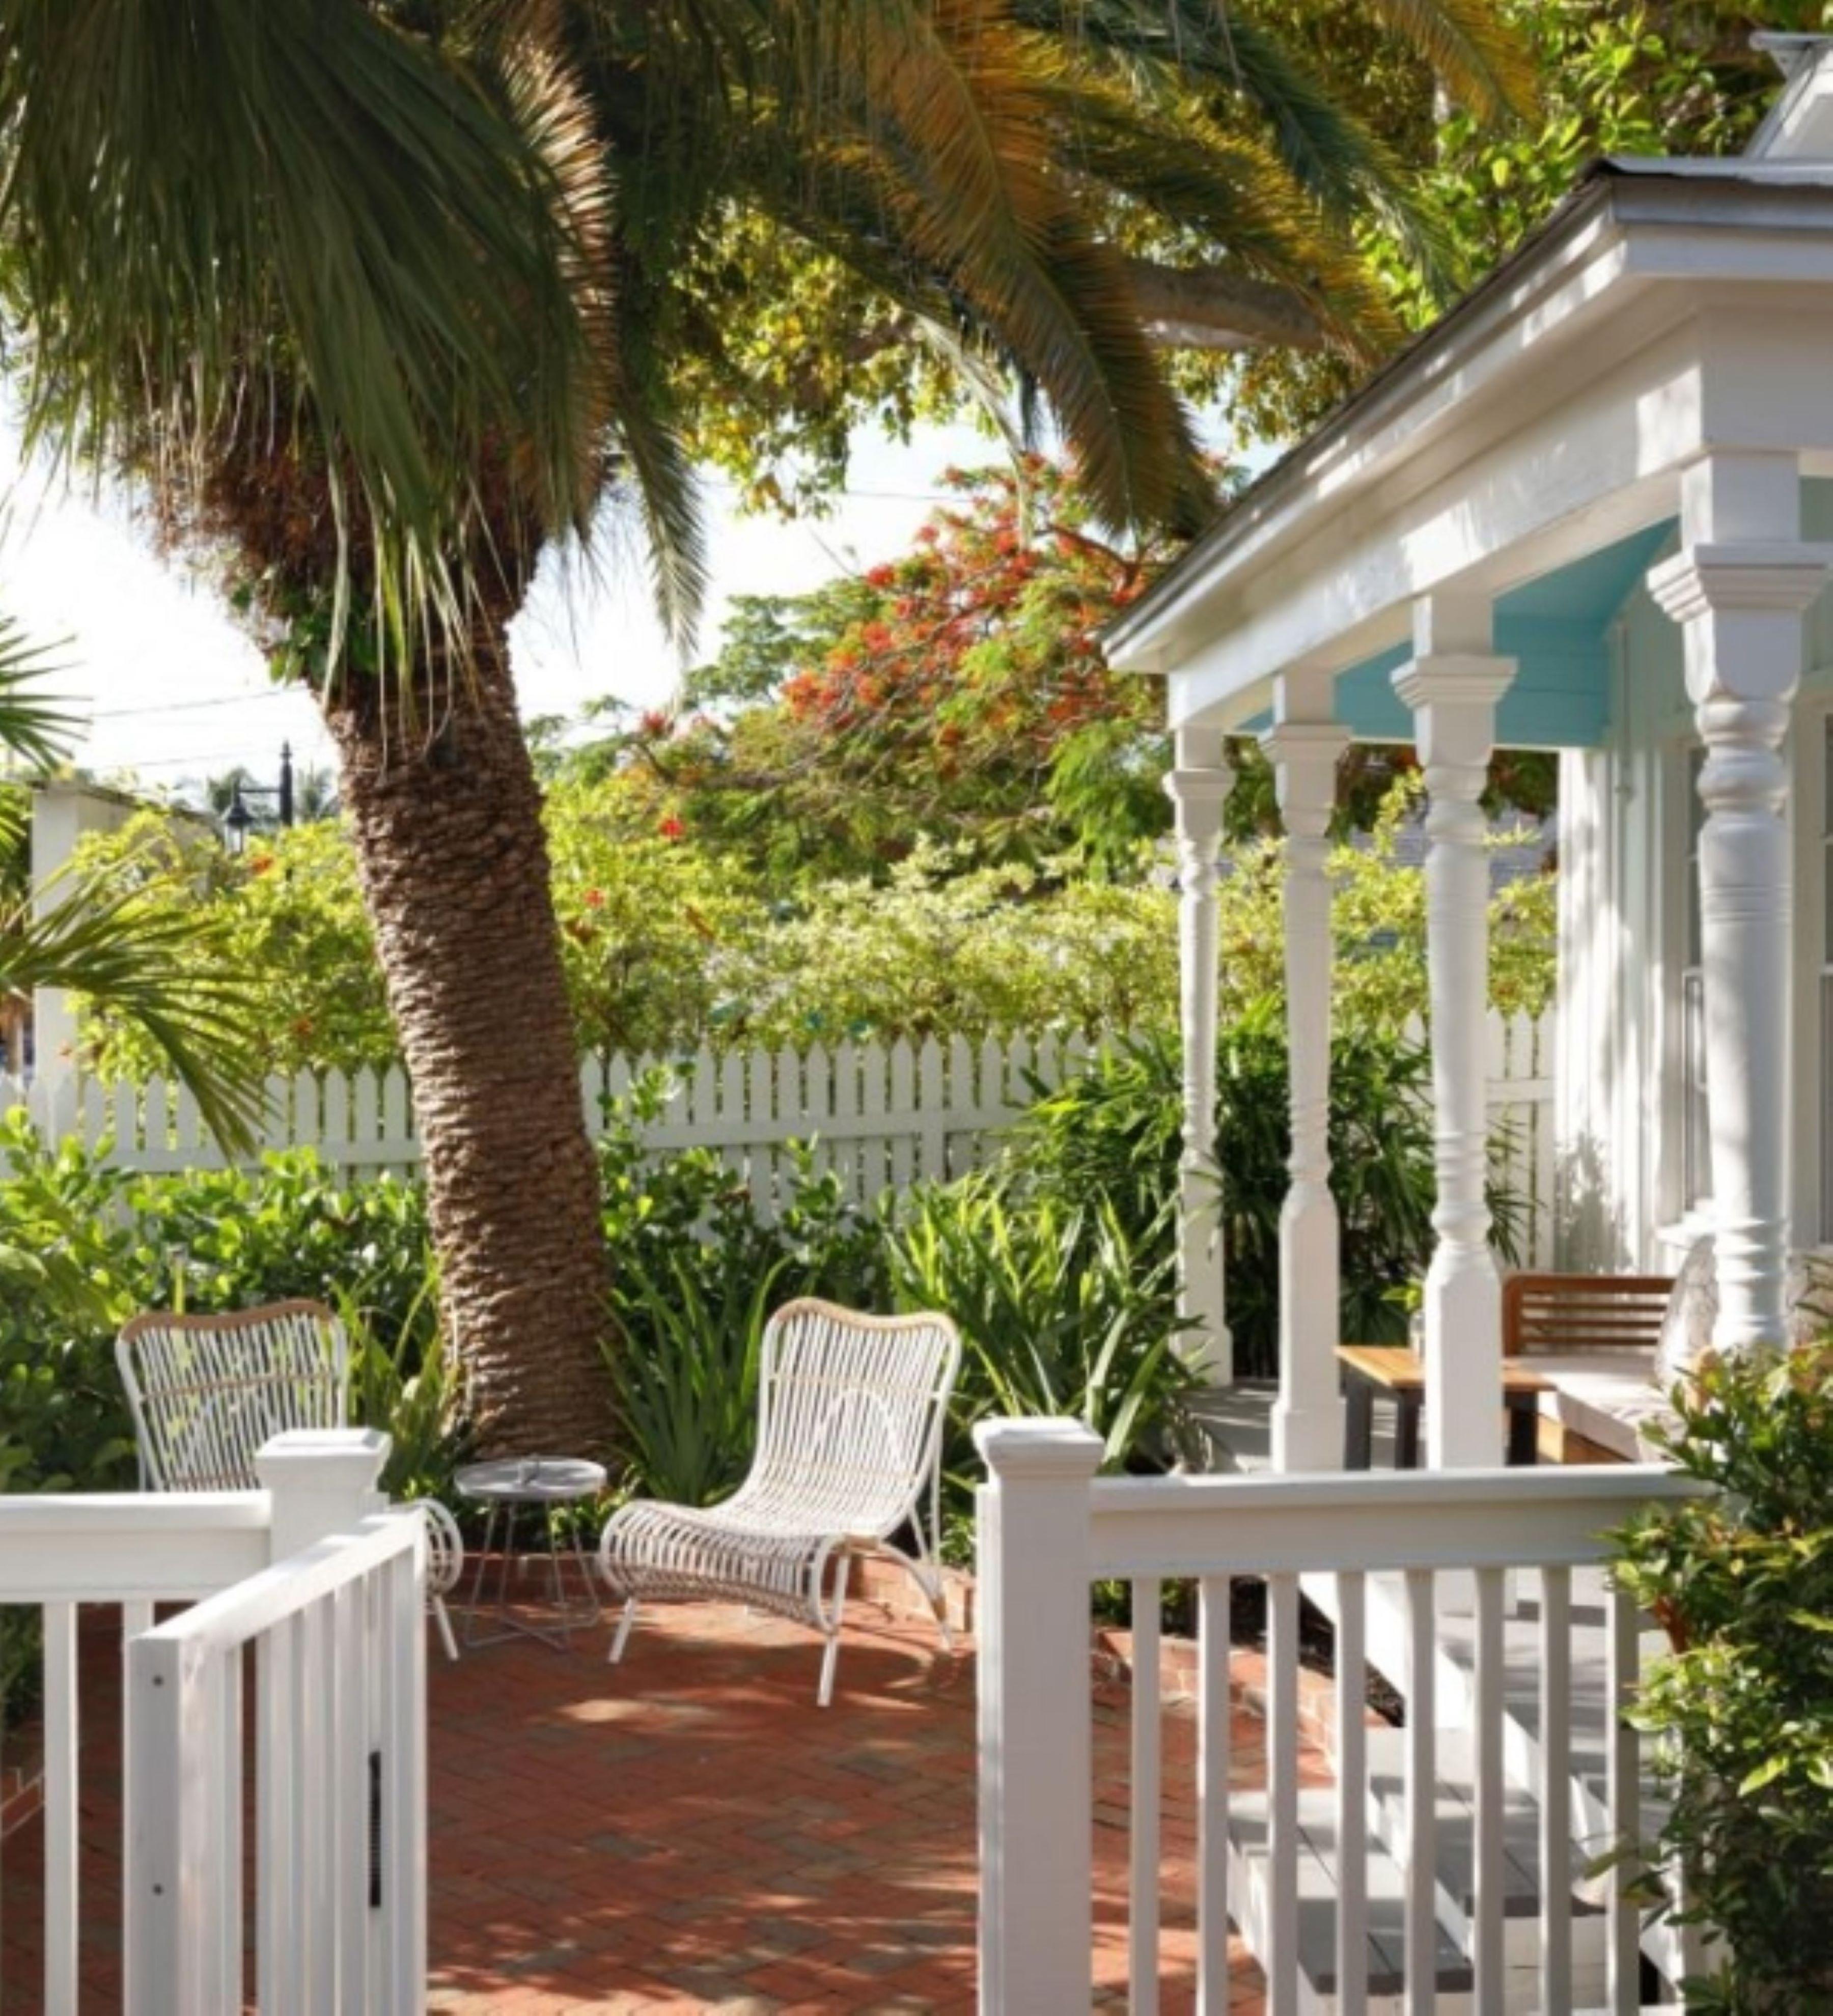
x,y
1576,273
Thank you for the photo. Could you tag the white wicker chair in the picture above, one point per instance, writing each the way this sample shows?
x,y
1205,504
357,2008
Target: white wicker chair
x,y
850,1420
206,1392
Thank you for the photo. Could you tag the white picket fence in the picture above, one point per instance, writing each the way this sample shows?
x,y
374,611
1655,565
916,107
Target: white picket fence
x,y
882,1115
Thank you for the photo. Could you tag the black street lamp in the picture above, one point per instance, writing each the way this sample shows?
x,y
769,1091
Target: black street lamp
x,y
239,821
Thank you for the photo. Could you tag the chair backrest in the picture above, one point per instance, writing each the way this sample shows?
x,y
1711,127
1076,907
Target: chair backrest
x,y
1547,1313
850,1413
207,1391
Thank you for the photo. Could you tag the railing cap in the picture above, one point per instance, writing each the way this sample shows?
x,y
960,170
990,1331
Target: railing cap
x,y
1041,1446
338,1458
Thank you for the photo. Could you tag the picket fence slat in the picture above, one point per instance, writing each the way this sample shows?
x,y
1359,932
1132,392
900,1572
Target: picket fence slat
x,y
883,1117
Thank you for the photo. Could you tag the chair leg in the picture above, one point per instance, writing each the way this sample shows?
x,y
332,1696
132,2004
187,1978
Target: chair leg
x,y
831,1653
442,1617
621,1637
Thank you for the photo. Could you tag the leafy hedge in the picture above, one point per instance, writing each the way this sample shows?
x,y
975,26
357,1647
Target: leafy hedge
x,y
1742,1704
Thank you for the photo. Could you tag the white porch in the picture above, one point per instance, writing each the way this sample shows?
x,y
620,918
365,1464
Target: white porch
x,y
1588,512
1605,465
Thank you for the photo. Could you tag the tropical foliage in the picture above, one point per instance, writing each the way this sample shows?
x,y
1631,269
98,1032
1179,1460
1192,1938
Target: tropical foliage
x,y
1653,77
668,945
1741,1706
134,957
1112,1136
959,690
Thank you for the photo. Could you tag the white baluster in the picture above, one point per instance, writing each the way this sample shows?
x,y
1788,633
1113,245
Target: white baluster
x,y
1554,1791
1147,1775
1214,1713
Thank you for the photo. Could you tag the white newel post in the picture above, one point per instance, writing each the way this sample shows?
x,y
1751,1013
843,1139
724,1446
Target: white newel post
x,y
322,1480
1738,588
1199,788
1036,1756
1453,684
1306,745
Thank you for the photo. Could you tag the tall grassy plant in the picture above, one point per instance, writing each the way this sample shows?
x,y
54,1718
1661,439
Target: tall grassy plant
x,y
698,1269
1061,1310
1114,1132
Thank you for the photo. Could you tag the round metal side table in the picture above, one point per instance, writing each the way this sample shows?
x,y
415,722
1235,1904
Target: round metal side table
x,y
507,1489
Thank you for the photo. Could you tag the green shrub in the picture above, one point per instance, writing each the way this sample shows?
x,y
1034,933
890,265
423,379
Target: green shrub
x,y
1061,1311
1115,1132
1742,1704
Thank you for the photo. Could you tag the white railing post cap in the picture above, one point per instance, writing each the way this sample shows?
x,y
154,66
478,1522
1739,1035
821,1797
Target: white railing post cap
x,y
320,1481
1039,1445
331,1459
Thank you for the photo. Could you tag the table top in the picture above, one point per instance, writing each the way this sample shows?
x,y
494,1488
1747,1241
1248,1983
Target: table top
x,y
1397,1369
541,1480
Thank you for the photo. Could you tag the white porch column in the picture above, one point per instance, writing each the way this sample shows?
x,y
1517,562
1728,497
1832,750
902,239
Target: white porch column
x,y
1304,745
1738,588
1453,684
1198,788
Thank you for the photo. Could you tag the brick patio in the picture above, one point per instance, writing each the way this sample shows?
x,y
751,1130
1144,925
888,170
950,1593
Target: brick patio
x,y
690,1832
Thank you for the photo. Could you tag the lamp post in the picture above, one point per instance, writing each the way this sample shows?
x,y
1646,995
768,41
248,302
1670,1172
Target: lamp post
x,y
239,821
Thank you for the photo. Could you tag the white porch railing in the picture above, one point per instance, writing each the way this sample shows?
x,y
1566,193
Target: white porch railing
x,y
1508,1543
338,1620
339,1748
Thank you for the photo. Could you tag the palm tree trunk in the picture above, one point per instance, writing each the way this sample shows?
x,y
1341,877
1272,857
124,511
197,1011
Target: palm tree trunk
x,y
454,864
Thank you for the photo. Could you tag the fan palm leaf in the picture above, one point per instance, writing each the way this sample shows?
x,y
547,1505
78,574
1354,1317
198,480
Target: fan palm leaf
x,y
100,937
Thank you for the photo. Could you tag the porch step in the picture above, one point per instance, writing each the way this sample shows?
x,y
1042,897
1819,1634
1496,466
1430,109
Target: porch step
x,y
1456,1836
1250,1895
1454,1884
1455,1665
1249,1873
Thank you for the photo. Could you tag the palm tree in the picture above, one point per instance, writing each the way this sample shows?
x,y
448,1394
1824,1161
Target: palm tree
x,y
100,937
374,300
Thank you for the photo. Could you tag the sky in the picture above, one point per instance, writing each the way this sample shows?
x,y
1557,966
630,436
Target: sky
x,y
171,691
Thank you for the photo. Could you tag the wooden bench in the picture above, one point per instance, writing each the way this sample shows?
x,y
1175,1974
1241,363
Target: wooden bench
x,y
1546,1317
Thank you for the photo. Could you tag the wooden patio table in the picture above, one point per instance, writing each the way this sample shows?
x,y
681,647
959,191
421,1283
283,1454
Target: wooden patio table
x,y
1397,1372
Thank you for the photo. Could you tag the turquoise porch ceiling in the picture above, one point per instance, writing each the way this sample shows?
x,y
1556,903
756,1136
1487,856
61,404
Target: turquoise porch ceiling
x,y
1557,628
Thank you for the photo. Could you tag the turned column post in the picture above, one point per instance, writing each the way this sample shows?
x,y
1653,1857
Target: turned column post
x,y
1453,684
1198,788
1304,745
1738,588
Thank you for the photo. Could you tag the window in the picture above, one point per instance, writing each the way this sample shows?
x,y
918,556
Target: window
x,y
1695,1126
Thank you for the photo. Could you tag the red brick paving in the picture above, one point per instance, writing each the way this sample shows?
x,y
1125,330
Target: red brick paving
x,y
690,1832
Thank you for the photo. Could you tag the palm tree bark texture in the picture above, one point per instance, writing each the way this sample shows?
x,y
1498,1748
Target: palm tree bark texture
x,y
454,864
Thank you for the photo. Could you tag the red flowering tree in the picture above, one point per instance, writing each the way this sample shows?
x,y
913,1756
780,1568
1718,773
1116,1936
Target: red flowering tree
x,y
960,692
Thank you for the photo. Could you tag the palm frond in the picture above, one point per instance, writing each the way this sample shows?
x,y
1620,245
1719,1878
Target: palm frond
x,y
1230,191
1482,61
279,218
97,936
35,726
1165,53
